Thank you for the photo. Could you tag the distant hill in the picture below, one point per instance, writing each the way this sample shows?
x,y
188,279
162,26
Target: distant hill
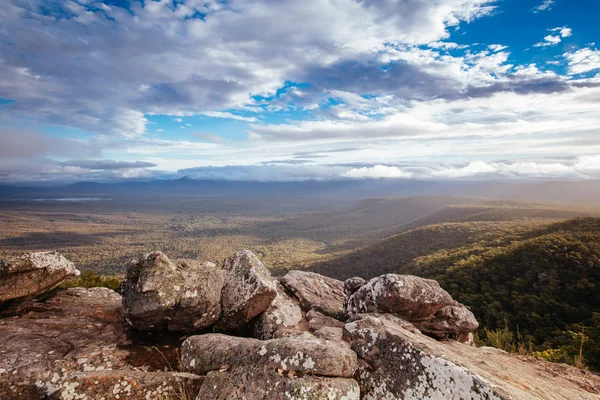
x,y
540,281
424,225
340,190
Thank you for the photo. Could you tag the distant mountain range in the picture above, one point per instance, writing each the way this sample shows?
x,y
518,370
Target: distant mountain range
x,y
563,191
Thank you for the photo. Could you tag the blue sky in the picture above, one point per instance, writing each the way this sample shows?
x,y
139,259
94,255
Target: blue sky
x,y
287,90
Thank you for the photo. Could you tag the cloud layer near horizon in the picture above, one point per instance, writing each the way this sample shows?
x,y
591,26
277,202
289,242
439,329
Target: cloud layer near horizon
x,y
326,89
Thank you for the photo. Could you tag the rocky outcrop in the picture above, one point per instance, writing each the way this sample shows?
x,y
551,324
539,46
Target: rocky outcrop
x,y
249,289
180,295
32,274
76,345
316,292
420,301
283,316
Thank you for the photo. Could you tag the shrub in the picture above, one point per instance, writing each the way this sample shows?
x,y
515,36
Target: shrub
x,y
89,279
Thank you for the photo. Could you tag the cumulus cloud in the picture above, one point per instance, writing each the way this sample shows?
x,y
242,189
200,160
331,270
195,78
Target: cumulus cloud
x,y
103,67
376,171
377,81
558,34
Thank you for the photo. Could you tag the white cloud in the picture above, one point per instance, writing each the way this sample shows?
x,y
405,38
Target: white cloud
x,y
376,171
583,60
102,68
546,5
473,169
559,34
588,164
497,47
585,167
228,115
383,79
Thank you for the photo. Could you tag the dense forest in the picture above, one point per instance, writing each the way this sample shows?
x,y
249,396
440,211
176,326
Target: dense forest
x,y
538,285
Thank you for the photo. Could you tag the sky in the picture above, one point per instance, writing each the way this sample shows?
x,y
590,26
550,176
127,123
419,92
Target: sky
x,y
285,90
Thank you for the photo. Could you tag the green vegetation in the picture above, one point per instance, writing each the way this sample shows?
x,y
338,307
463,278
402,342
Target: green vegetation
x,y
544,286
89,279
532,284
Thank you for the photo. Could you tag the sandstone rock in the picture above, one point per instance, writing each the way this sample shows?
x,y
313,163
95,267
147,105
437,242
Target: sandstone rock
x,y
316,292
283,315
205,353
248,291
352,285
161,294
395,363
255,384
451,322
32,274
317,320
410,297
78,336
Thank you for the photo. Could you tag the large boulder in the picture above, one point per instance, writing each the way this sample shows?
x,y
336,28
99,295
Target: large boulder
x,y
316,292
182,295
288,368
409,297
248,291
283,316
202,354
159,294
451,322
76,345
397,362
256,384
32,274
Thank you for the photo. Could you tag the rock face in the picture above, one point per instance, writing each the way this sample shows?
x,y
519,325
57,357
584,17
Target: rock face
x,y
161,294
248,291
395,363
73,346
32,274
409,297
316,292
283,316
243,368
